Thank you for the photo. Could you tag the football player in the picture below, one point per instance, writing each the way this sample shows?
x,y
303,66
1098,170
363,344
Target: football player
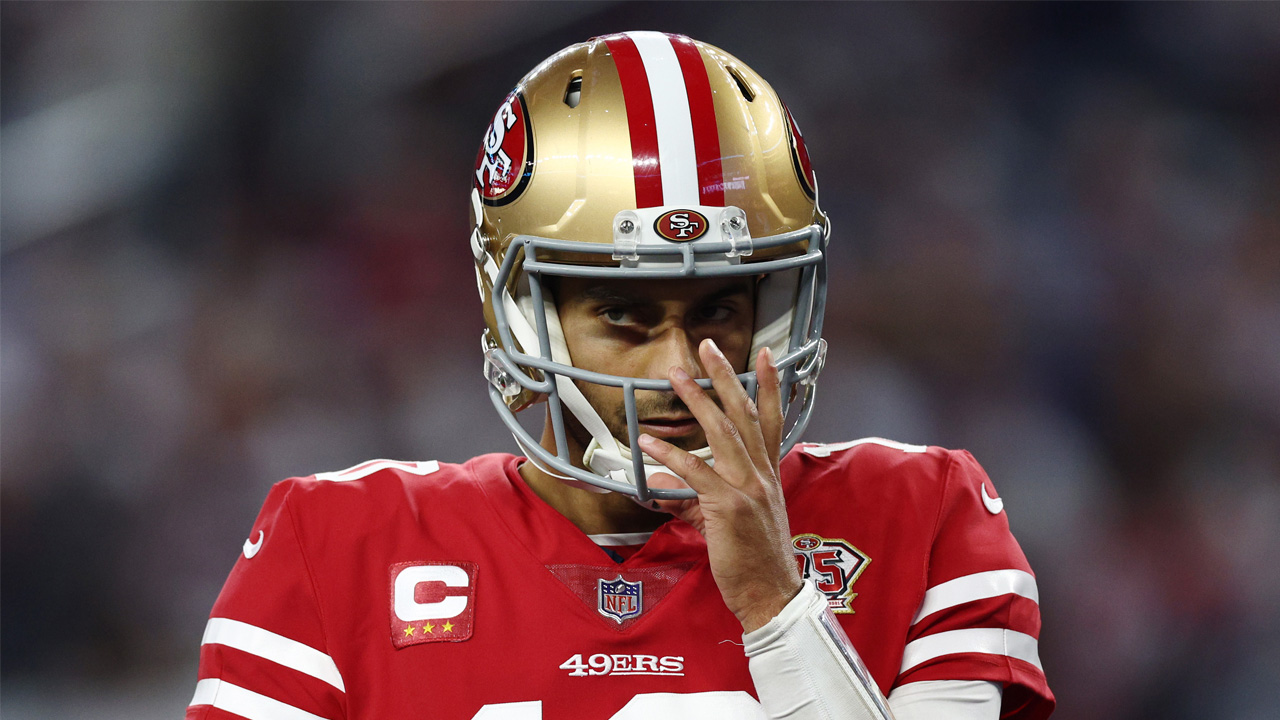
x,y
652,261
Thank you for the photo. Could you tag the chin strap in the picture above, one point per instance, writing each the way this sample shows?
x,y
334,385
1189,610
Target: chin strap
x,y
615,461
520,319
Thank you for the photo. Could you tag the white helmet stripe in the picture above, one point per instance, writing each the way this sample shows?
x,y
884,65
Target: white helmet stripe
x,y
671,114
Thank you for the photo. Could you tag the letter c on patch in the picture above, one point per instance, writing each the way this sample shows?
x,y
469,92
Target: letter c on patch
x,y
410,610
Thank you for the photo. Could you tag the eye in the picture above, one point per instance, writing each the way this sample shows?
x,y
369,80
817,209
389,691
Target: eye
x,y
617,315
715,313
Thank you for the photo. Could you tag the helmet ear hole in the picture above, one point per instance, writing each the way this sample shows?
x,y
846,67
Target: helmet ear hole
x,y
573,93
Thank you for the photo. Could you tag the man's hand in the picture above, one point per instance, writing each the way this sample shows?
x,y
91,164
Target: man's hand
x,y
739,508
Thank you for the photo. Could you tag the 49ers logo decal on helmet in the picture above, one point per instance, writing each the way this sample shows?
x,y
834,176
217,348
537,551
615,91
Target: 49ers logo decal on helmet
x,y
505,161
681,225
800,157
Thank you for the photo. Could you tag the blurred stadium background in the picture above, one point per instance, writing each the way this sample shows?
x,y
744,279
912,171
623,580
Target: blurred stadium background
x,y
234,250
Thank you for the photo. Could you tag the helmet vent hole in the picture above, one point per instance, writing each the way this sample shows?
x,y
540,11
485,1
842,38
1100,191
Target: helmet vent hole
x,y
573,93
747,93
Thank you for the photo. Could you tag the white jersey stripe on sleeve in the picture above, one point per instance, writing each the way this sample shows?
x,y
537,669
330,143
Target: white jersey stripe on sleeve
x,y
825,449
276,648
988,641
365,469
246,703
977,586
672,116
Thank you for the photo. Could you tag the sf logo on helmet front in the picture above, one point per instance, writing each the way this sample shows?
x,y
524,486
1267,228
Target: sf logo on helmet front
x,y
681,225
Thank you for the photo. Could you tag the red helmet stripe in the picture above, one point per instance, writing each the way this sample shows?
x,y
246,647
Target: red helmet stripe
x,y
640,120
702,110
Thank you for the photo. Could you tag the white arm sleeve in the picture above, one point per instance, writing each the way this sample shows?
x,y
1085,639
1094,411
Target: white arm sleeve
x,y
949,699
804,667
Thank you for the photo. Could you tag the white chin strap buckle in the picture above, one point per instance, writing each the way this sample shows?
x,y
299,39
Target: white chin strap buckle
x,y
615,462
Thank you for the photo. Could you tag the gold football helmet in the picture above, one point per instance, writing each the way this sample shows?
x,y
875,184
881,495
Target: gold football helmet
x,y
640,155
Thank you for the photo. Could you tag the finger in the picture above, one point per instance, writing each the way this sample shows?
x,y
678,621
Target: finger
x,y
769,402
690,511
738,405
687,466
722,434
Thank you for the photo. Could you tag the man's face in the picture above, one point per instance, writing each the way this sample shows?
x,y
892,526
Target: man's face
x,y
643,328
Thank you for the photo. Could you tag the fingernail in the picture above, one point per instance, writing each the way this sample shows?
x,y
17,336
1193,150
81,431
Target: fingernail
x,y
645,440
714,348
679,373
768,356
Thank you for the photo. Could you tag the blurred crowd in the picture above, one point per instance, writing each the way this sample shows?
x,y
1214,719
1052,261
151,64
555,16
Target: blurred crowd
x,y
234,250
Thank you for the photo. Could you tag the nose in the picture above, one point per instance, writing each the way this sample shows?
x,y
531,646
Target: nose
x,y
675,348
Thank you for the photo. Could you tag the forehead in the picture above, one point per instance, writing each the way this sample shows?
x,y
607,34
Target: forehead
x,y
571,290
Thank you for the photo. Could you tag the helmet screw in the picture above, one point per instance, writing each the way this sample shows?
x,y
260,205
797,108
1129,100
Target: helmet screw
x,y
627,227
735,223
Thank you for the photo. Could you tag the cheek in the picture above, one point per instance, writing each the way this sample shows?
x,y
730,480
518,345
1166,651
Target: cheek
x,y
604,355
608,404
600,395
586,350
736,346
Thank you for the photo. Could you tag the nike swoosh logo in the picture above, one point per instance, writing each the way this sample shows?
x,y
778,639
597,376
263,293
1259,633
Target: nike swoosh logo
x,y
994,504
252,548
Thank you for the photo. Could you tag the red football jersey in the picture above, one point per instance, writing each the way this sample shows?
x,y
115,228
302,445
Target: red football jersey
x,y
399,590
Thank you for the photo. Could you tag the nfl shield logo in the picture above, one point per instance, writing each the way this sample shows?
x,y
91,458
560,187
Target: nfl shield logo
x,y
619,599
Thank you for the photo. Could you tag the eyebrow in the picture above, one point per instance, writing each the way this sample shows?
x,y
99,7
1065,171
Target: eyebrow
x,y
608,294
605,293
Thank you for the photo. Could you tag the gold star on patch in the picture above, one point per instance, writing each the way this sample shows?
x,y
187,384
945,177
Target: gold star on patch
x,y
408,631
448,626
428,628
